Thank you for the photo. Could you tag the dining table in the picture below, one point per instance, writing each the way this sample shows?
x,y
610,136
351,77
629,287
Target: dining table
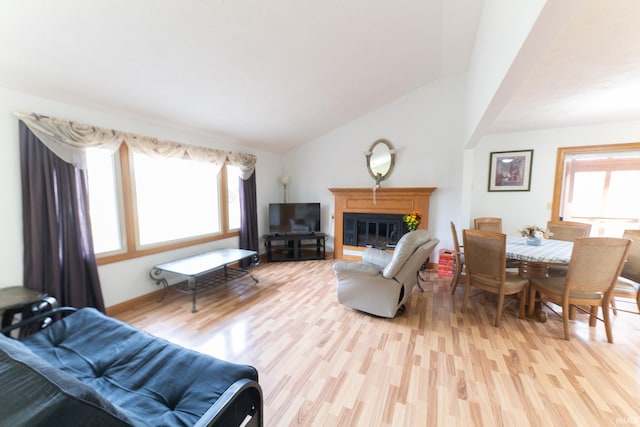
x,y
548,252
534,261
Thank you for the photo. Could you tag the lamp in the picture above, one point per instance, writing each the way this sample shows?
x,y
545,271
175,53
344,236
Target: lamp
x,y
285,181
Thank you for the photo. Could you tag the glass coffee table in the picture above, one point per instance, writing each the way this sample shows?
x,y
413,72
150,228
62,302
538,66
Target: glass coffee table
x,y
203,271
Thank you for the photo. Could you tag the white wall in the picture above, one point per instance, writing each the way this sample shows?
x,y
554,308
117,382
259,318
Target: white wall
x,y
123,280
425,128
518,209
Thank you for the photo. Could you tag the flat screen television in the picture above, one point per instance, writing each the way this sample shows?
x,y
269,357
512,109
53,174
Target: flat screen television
x,y
294,217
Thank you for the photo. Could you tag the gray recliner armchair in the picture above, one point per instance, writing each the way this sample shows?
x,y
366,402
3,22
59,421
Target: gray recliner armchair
x,y
381,283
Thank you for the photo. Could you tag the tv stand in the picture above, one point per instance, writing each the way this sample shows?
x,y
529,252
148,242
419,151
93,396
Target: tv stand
x,y
294,246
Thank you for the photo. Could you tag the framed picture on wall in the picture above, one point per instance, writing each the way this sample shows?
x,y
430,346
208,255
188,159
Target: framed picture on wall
x,y
510,170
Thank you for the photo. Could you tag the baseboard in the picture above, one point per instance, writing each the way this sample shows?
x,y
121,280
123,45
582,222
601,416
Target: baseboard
x,y
116,309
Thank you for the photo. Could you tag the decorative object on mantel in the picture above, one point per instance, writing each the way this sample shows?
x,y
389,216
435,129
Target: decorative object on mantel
x,y
510,170
381,159
534,234
413,220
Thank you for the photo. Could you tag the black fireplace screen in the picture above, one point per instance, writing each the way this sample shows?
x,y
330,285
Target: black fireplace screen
x,y
374,230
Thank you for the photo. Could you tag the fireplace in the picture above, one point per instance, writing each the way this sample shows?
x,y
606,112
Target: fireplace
x,y
373,230
396,202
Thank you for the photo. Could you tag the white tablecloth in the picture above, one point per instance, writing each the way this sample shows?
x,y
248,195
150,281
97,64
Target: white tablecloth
x,y
550,251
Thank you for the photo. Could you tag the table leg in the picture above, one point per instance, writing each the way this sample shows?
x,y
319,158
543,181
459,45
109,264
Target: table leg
x,y
539,314
194,293
533,269
156,276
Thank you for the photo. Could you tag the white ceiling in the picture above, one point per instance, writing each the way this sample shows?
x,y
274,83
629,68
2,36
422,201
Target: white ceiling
x,y
589,74
272,74
276,73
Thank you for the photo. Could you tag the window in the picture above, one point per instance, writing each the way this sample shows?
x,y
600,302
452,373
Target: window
x,y
141,204
174,199
105,212
597,186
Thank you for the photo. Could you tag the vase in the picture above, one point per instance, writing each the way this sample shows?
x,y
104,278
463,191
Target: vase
x,y
534,241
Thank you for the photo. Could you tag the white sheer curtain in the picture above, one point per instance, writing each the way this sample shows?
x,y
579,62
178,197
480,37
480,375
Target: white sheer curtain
x,y
68,140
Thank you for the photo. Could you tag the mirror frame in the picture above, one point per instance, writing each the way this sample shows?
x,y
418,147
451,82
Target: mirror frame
x,y
392,153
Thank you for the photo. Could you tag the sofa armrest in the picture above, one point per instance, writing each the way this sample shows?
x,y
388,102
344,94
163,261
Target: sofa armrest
x,y
243,398
41,318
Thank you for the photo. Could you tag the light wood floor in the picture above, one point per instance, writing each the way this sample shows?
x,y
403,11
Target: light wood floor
x,y
322,364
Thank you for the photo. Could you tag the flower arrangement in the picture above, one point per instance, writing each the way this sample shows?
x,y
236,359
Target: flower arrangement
x,y
535,231
413,219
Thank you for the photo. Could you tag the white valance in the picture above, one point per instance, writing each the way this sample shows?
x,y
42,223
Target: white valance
x,y
246,163
69,140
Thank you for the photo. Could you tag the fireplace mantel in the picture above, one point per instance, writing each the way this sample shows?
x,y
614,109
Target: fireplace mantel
x,y
385,200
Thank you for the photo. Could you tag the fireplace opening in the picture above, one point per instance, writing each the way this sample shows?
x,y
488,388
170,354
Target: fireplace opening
x,y
373,230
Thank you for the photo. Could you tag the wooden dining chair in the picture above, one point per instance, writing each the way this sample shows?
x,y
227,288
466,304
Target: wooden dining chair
x,y
488,224
568,230
493,224
628,284
459,259
484,259
596,263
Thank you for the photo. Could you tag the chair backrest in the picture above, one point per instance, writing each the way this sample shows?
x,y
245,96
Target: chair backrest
x,y
596,263
488,224
408,274
454,235
406,246
484,254
631,269
568,230
456,243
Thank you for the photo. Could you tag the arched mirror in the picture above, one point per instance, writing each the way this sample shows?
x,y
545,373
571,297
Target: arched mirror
x,y
381,158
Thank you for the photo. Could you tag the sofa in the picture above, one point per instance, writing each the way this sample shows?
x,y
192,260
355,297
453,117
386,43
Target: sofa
x,y
382,282
88,369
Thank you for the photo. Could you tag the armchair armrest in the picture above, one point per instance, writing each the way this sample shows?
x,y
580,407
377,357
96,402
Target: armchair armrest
x,y
377,257
359,268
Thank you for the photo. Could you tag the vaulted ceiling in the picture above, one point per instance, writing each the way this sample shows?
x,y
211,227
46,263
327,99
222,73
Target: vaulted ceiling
x,y
275,74
589,74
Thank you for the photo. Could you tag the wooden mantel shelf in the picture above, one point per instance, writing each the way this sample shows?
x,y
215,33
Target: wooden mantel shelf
x,y
398,200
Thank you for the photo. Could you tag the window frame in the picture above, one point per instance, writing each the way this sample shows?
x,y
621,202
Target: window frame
x,y
564,152
129,225
226,204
